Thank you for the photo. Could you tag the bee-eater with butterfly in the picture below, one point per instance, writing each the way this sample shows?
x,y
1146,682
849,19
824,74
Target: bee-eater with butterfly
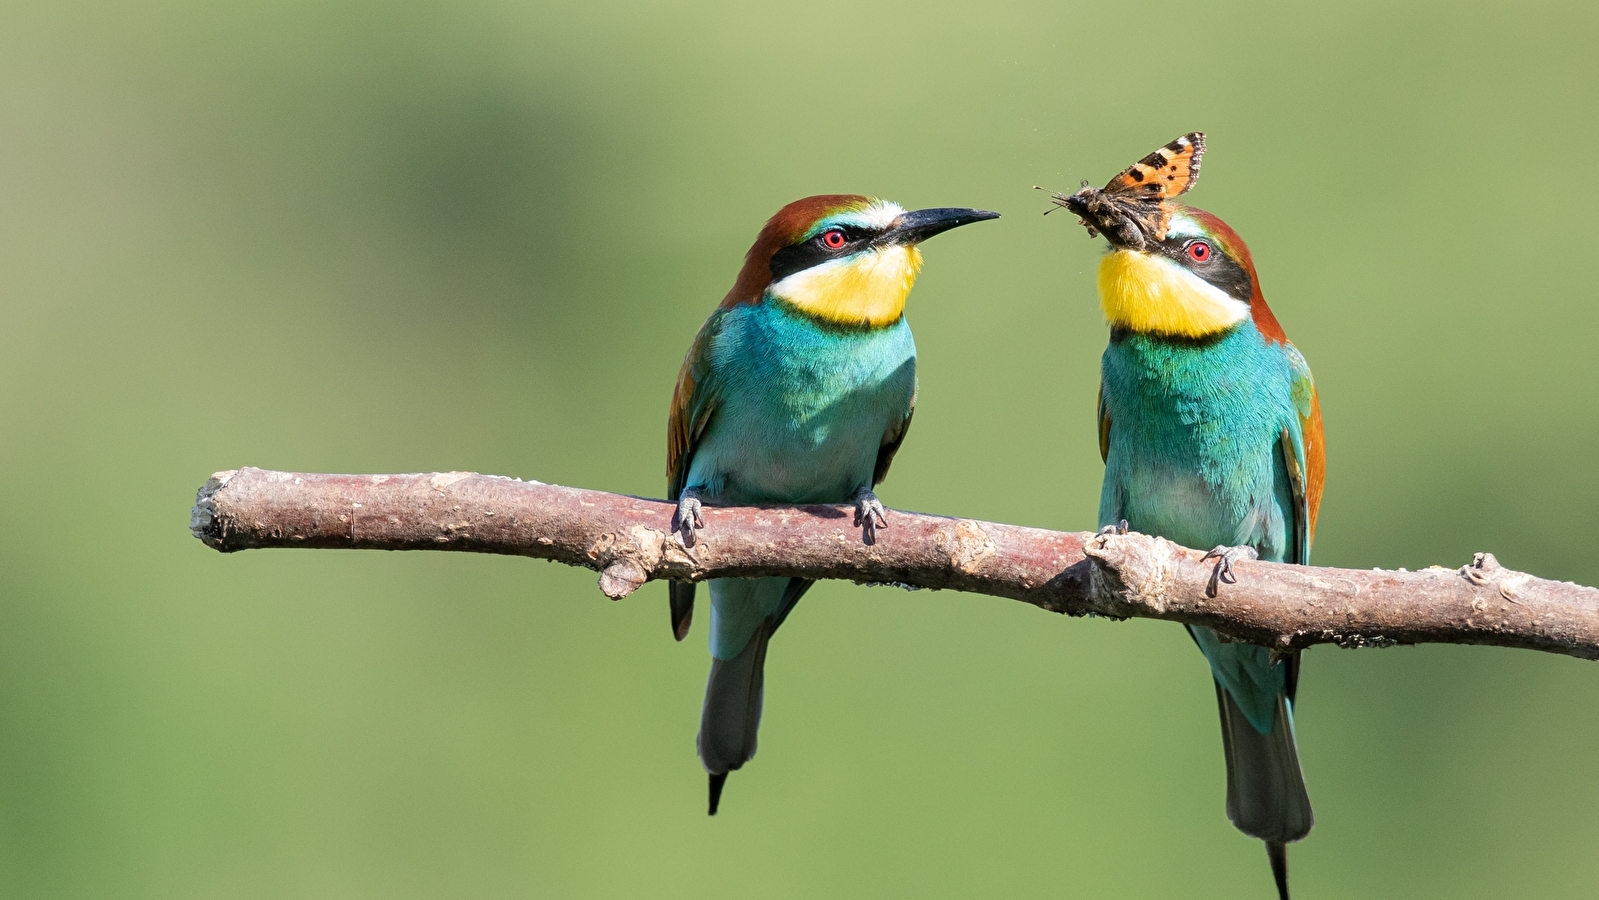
x,y
1210,429
798,389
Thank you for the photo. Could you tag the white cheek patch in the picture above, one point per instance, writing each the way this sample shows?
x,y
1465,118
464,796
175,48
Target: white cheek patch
x,y
1228,307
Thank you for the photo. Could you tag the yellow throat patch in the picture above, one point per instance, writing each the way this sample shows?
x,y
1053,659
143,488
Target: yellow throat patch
x,y
867,289
1152,294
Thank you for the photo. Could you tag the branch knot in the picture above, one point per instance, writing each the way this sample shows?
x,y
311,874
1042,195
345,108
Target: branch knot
x,y
1131,568
972,547
627,559
1485,571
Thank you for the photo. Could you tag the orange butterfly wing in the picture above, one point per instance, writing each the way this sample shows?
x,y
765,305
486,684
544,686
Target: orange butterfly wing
x,y
1166,173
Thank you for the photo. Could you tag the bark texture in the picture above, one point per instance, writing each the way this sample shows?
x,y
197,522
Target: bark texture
x,y
629,541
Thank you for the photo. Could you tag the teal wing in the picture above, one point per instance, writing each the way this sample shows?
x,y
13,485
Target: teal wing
x,y
694,404
1104,425
1304,455
892,439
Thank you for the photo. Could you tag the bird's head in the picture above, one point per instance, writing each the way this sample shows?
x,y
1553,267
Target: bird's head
x,y
845,259
1195,281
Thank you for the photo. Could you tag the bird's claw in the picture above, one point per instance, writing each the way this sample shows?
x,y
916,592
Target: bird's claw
x,y
688,517
1223,573
869,515
1118,528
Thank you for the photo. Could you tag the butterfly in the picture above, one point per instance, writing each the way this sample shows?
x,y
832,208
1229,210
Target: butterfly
x,y
1131,210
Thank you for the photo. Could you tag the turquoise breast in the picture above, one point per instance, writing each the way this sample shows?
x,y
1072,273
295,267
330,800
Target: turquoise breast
x,y
1194,442
803,407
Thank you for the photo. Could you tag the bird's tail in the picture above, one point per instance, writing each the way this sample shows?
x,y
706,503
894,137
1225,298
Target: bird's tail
x,y
682,599
1277,852
1266,796
745,613
732,714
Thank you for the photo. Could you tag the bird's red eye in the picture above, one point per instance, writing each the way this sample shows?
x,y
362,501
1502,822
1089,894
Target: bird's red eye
x,y
1199,251
834,239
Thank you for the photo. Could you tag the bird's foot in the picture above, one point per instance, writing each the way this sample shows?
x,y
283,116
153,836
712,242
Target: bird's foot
x,y
687,518
1223,573
869,514
1118,528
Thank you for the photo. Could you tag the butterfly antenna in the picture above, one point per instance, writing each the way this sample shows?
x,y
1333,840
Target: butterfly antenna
x,y
1039,187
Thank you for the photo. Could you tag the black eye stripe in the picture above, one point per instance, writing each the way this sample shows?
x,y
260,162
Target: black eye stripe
x,y
808,253
1215,267
850,232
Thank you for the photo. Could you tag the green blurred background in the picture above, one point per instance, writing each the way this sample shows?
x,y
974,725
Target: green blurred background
x,y
374,237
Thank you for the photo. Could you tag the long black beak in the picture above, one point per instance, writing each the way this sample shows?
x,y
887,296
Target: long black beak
x,y
918,226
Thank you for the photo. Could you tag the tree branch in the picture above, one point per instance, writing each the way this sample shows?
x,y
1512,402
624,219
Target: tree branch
x,y
628,540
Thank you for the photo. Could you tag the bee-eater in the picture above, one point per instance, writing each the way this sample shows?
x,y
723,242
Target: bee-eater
x,y
1210,429
798,389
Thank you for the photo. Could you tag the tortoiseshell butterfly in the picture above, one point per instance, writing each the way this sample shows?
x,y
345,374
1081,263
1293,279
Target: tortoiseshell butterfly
x,y
1132,208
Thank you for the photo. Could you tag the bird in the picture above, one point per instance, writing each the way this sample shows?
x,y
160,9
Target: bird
x,y
1210,430
799,388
